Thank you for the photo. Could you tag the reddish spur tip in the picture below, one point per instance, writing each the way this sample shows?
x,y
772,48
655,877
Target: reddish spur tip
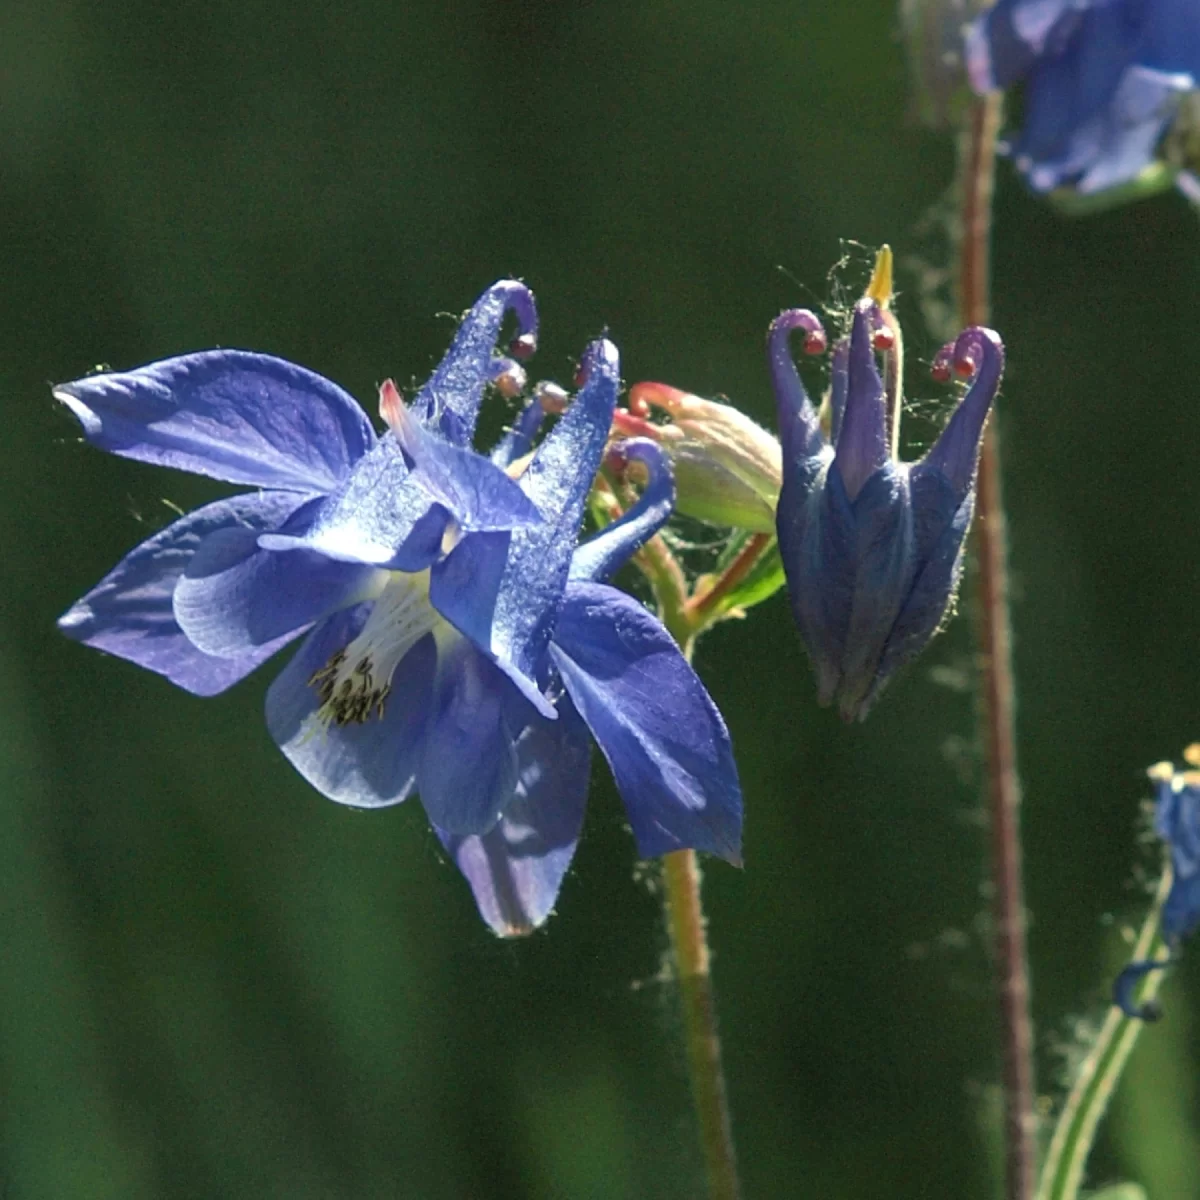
x,y
883,339
524,346
966,366
639,406
940,371
815,342
391,403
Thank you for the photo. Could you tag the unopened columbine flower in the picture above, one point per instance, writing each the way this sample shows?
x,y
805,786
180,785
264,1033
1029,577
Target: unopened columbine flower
x,y
872,546
727,468
459,644
1103,82
1177,823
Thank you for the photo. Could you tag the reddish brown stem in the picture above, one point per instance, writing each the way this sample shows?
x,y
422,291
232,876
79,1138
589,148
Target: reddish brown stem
x,y
997,699
700,606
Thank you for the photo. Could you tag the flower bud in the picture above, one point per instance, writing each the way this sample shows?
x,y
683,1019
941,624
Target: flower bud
x,y
728,470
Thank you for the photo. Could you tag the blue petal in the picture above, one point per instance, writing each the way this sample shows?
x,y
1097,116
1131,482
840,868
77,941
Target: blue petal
x,y
940,531
663,737
450,401
246,418
598,558
516,869
234,597
522,575
476,492
1127,980
129,612
368,765
378,516
1013,34
817,544
886,565
468,768
862,442
839,383
518,440
799,426
955,454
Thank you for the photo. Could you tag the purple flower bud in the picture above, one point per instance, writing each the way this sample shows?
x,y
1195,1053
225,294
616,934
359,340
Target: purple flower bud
x,y
872,546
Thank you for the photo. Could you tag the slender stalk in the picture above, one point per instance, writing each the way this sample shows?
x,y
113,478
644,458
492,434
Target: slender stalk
x,y
1062,1173
682,907
686,924
997,700
700,607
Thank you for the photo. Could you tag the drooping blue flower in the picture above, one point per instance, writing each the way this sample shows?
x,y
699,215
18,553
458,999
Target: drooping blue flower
x,y
459,643
872,547
1177,823
1103,81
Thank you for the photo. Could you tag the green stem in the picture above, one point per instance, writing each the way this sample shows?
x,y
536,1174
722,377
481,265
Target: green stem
x,y
689,943
1062,1174
997,685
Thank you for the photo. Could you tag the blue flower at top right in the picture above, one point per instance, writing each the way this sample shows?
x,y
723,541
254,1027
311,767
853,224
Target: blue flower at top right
x,y
1103,82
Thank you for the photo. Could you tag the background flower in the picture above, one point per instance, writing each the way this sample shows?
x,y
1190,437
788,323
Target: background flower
x,y
1103,81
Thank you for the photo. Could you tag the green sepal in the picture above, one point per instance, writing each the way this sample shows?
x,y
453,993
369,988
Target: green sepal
x,y
1122,1191
1158,177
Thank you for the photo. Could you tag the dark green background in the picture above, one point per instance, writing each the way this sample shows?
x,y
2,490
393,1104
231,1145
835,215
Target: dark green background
x,y
216,984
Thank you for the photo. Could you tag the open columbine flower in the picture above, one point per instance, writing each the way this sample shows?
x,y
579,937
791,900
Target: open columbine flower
x,y
872,546
459,643
1177,822
1103,81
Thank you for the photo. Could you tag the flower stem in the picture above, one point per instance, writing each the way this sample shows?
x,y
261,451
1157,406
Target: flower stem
x,y
995,664
1062,1173
700,608
689,943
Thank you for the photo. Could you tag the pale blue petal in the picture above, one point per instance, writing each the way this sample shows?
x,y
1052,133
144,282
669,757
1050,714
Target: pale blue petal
x,y
129,612
246,418
516,869
233,596
367,765
468,768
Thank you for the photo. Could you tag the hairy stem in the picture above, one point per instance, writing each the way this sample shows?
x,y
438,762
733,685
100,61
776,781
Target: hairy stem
x,y
997,699
1097,1079
689,943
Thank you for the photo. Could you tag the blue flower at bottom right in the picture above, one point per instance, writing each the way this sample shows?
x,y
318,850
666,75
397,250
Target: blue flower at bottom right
x,y
1177,822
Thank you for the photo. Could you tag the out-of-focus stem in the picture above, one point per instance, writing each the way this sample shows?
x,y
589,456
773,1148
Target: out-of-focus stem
x,y
1062,1173
995,665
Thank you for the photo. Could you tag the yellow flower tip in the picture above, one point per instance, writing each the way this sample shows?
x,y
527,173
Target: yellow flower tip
x,y
1191,755
1161,772
880,287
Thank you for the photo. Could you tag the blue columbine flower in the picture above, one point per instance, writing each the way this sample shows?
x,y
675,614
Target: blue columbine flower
x,y
1103,81
1177,823
872,546
459,643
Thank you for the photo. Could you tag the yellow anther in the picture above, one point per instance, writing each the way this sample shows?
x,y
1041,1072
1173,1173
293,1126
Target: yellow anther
x,y
880,287
1191,755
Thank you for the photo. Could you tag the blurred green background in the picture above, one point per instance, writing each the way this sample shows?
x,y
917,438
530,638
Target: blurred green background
x,y
215,983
